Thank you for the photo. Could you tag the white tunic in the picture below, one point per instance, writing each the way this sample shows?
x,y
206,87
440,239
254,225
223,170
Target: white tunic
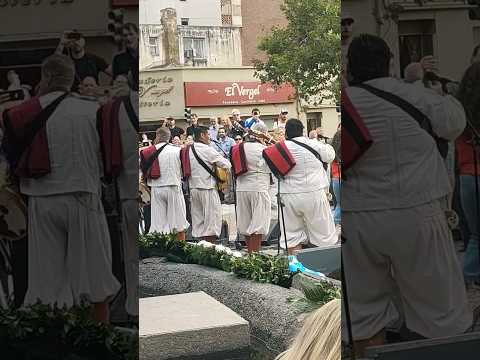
x,y
258,176
74,149
200,178
308,174
403,163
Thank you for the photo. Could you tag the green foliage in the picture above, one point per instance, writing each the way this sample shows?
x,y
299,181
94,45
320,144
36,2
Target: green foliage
x,y
305,53
47,332
256,267
315,296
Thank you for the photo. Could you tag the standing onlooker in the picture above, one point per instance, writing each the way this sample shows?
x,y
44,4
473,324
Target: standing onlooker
x,y
213,128
193,125
282,119
86,64
236,120
223,143
127,61
174,130
335,174
466,152
238,139
255,119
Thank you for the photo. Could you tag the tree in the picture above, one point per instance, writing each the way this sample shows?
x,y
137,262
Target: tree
x,y
305,53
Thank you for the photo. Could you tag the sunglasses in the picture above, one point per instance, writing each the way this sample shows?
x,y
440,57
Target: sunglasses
x,y
238,139
285,113
255,113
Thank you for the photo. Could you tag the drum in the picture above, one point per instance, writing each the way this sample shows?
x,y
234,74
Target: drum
x,y
13,214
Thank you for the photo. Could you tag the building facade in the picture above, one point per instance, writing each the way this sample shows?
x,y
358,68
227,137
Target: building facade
x,y
26,37
199,51
416,28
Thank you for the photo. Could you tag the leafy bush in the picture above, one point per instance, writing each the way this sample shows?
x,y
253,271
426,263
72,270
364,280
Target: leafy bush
x,y
257,267
315,296
48,332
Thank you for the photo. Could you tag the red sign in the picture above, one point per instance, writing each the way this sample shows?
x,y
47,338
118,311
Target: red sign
x,y
235,93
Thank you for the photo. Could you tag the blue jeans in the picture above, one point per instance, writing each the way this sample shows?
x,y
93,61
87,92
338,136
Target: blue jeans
x,y
471,263
337,211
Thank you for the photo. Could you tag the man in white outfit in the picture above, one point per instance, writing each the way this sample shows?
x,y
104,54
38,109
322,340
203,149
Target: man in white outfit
x,y
69,250
206,208
127,183
306,212
168,204
252,195
396,233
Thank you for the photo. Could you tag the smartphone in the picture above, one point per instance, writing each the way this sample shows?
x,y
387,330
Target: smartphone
x,y
14,95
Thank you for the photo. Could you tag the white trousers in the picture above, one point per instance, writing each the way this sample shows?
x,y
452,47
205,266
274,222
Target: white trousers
x,y
411,250
69,250
253,212
308,219
206,212
168,210
130,251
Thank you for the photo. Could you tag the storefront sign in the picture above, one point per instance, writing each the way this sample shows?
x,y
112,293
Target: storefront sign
x,y
236,93
155,91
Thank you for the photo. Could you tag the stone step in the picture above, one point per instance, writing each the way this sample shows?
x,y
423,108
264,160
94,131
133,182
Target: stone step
x,y
191,324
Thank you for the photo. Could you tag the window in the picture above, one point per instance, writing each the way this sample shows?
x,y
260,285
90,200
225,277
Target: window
x,y
184,21
314,120
153,44
194,47
415,41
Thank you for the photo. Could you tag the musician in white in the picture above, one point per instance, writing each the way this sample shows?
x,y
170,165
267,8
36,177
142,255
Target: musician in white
x,y
307,214
168,204
128,196
206,208
69,249
253,198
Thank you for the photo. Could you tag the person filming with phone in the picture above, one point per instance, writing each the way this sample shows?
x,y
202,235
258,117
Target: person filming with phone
x,y
72,44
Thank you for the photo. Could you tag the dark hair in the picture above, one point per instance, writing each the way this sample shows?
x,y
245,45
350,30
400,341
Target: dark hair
x,y
198,131
131,27
368,58
469,93
293,128
194,115
255,110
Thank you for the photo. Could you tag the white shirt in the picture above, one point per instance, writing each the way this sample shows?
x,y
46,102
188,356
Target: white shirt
x,y
258,176
200,178
74,149
128,178
403,167
308,174
170,167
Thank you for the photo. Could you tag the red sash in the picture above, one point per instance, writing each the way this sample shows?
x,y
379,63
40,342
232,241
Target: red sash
x,y
185,160
238,159
154,171
279,159
356,138
30,158
108,127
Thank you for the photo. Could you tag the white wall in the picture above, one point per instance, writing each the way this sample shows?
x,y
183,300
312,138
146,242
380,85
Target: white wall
x,y
199,12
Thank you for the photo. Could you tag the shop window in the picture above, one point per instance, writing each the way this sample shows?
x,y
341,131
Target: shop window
x,y
153,44
194,49
415,41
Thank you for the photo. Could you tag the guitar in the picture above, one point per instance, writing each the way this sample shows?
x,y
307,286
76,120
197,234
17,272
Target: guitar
x,y
269,140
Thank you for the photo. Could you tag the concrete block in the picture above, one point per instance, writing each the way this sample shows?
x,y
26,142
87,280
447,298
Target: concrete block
x,y
190,324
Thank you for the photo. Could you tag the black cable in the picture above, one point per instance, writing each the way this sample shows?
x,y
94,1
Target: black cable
x,y
281,205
